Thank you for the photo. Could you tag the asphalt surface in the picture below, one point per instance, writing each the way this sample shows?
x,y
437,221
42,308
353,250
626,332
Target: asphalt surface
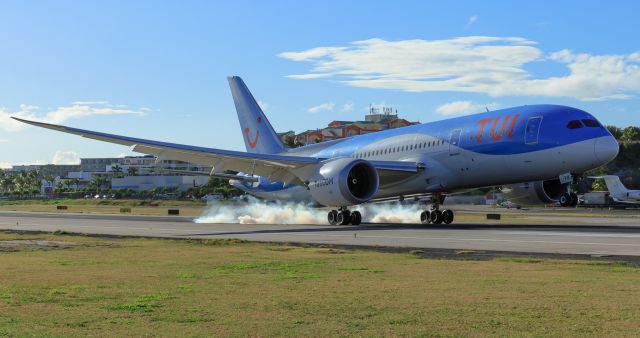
x,y
611,237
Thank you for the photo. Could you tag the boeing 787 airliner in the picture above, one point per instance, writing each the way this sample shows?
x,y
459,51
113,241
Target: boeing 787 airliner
x,y
542,143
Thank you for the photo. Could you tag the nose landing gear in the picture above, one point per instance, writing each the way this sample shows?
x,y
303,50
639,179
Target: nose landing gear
x,y
344,217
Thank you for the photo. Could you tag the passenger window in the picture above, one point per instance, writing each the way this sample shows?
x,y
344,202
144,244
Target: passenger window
x,y
574,124
591,123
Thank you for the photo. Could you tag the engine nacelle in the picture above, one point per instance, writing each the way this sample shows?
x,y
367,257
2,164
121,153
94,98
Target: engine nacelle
x,y
343,182
532,193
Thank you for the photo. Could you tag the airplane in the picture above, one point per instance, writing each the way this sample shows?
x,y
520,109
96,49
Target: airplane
x,y
544,143
618,191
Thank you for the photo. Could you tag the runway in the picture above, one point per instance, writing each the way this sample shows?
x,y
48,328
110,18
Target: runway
x,y
611,237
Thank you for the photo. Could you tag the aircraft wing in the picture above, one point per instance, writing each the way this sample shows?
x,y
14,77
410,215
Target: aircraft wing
x,y
275,167
206,173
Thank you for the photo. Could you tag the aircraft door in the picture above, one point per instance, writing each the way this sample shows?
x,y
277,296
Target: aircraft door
x,y
454,142
532,130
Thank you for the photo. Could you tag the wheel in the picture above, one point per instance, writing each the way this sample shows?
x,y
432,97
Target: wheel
x,y
574,199
436,216
344,217
332,217
356,218
565,200
425,217
447,216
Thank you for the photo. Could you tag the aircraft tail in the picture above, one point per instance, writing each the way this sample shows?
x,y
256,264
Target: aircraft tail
x,y
615,187
259,136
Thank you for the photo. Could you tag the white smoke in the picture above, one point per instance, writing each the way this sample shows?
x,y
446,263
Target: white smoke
x,y
260,212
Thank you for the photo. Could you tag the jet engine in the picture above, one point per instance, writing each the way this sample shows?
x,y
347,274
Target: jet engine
x,y
532,193
344,181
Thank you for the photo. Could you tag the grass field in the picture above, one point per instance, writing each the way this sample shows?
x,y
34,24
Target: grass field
x,y
137,207
136,287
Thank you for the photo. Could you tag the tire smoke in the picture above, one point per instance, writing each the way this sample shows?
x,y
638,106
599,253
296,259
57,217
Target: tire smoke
x,y
259,212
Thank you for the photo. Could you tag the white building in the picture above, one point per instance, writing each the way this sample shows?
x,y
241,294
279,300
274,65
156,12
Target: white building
x,y
139,183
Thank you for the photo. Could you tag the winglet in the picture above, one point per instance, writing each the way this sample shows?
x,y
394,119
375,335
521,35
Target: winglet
x,y
41,124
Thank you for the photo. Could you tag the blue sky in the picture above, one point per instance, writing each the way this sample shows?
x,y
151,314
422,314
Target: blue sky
x,y
158,69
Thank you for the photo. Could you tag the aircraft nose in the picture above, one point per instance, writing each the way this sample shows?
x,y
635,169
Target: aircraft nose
x,y
606,149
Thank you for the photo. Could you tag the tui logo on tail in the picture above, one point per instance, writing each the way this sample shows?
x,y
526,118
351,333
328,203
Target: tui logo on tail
x,y
252,144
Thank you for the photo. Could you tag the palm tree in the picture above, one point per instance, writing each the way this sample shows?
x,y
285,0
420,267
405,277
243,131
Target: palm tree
x,y
7,183
116,169
100,181
33,182
132,171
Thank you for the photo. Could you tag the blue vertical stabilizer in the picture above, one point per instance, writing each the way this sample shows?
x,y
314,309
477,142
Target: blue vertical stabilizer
x,y
259,136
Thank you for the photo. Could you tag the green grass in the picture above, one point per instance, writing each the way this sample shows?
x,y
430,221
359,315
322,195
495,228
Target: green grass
x,y
135,207
103,202
138,287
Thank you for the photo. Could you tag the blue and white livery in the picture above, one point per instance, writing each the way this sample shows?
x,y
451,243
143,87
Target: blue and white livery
x,y
527,143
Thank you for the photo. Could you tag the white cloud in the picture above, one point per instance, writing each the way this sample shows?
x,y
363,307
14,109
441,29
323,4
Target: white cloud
x,y
82,103
311,54
347,107
3,140
263,105
309,76
65,157
325,106
474,64
472,20
5,165
58,115
458,108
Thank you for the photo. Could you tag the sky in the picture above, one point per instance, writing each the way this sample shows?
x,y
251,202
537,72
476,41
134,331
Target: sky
x,y
157,70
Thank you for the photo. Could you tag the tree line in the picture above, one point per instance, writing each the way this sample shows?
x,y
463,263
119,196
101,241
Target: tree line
x,y
27,184
626,164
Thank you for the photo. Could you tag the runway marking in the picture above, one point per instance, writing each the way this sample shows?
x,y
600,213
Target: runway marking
x,y
576,234
465,239
176,232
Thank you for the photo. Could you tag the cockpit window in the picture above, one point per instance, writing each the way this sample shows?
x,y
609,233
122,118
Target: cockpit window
x,y
574,124
591,123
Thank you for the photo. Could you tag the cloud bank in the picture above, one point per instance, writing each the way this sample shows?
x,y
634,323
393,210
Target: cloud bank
x,y
458,108
496,66
329,106
65,157
61,114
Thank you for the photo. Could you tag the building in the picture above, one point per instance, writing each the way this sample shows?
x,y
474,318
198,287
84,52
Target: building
x,y
140,183
150,165
373,122
97,164
55,170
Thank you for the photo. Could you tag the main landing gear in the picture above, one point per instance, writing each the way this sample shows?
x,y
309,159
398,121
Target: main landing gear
x,y
435,215
343,216
568,198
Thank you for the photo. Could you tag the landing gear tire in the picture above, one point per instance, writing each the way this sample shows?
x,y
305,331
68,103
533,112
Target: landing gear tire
x,y
436,217
356,218
565,200
574,199
344,217
332,217
447,216
425,217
